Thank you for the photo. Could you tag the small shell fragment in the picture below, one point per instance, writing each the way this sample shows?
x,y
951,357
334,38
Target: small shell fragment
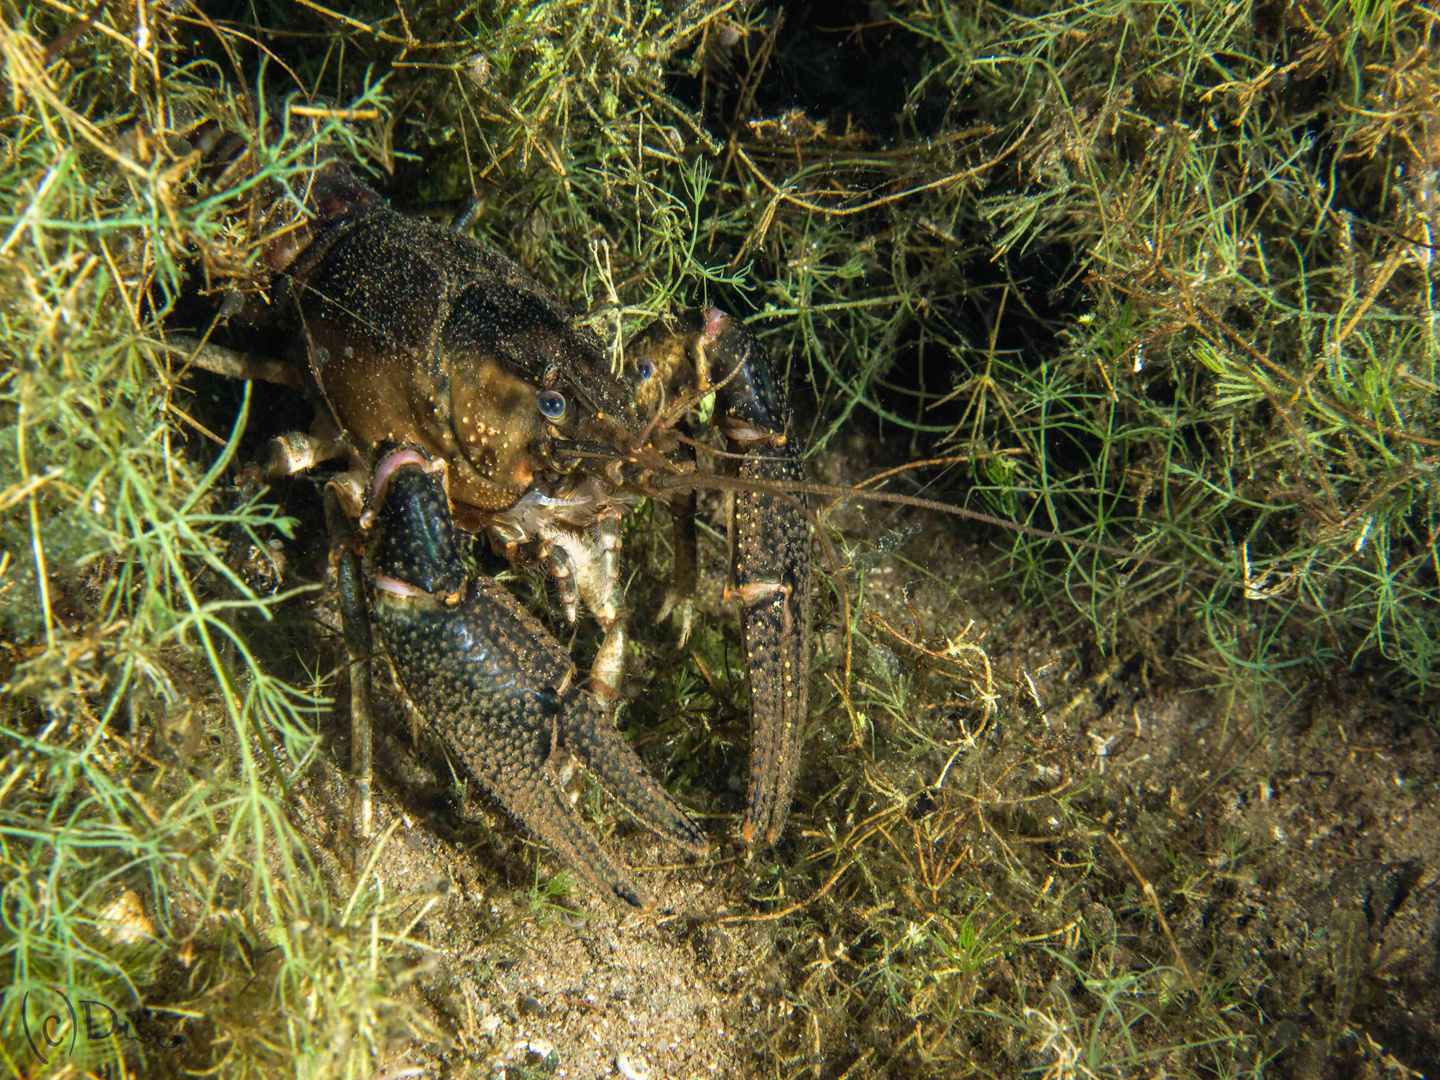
x,y
632,1068
124,921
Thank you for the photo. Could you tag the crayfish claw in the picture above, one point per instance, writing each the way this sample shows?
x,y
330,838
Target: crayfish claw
x,y
496,685
535,797
588,732
677,366
769,567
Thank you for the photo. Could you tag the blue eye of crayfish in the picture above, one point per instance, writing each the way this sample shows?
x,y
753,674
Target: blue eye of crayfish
x,y
552,404
643,370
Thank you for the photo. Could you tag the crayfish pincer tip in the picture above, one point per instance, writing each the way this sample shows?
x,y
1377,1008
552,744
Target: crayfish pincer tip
x,y
754,836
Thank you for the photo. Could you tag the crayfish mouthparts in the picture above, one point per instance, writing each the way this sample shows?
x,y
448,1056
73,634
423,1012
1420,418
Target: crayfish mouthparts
x,y
497,687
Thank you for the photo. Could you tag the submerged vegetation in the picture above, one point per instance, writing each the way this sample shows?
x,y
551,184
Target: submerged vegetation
x,y
1155,277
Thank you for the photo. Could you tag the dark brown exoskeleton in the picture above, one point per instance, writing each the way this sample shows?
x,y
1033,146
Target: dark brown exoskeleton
x,y
467,652
463,396
769,533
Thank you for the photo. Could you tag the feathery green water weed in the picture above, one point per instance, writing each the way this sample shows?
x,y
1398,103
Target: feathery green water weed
x,y
127,858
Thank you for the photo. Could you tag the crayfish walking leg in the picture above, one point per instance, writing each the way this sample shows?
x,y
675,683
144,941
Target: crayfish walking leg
x,y
355,618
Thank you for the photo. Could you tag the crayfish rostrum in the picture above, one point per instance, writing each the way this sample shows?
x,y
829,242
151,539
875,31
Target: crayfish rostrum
x,y
461,395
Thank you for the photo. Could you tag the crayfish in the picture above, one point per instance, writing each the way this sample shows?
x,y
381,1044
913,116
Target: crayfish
x,y
461,396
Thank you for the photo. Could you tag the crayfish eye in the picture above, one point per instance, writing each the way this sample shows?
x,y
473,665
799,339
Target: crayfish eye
x,y
643,370
552,404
